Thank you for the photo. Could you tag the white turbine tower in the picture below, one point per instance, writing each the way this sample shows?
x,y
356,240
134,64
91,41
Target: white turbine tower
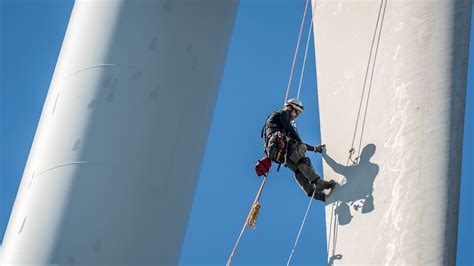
x,y
392,73
112,171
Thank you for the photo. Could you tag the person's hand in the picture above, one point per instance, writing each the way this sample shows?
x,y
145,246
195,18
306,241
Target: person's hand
x,y
319,148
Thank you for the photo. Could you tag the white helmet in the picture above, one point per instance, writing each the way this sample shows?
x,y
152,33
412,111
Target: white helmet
x,y
296,104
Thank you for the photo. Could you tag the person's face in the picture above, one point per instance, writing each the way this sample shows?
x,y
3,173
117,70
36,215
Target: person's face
x,y
294,114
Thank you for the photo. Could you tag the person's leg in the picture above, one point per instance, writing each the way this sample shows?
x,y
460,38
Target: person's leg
x,y
307,187
297,156
326,184
303,183
300,161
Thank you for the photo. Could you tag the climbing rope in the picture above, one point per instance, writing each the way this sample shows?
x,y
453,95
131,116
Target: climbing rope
x,y
305,54
301,229
251,220
298,95
296,52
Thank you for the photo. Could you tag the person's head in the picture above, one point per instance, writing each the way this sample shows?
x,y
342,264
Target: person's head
x,y
294,107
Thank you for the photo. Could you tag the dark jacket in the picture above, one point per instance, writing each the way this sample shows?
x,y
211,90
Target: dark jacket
x,y
280,121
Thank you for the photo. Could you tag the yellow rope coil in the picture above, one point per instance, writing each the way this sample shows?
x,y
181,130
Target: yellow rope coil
x,y
252,221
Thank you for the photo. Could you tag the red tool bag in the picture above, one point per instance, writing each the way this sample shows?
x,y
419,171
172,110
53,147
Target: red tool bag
x,y
262,167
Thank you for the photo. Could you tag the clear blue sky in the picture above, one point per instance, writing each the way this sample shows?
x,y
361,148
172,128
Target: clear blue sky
x,y
253,84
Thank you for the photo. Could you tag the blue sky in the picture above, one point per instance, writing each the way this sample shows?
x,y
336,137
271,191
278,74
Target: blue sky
x,y
254,82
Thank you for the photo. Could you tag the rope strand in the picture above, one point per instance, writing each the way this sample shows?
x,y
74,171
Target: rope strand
x,y
298,95
259,194
296,52
305,55
301,228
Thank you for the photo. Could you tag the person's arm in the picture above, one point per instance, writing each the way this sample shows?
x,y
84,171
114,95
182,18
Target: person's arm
x,y
285,122
318,148
309,147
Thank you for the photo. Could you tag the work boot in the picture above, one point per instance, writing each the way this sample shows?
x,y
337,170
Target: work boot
x,y
319,196
318,184
321,185
329,184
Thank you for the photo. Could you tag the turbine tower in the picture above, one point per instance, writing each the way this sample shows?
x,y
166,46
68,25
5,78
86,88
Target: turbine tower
x,y
111,174
393,74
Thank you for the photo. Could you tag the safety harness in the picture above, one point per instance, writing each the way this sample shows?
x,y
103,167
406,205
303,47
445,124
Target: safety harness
x,y
278,152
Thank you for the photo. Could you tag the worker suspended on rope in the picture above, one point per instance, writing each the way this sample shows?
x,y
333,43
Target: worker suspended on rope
x,y
284,146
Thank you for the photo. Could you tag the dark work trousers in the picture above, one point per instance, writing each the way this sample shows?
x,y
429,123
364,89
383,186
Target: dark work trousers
x,y
298,161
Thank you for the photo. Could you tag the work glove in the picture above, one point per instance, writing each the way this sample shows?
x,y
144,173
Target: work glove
x,y
319,148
